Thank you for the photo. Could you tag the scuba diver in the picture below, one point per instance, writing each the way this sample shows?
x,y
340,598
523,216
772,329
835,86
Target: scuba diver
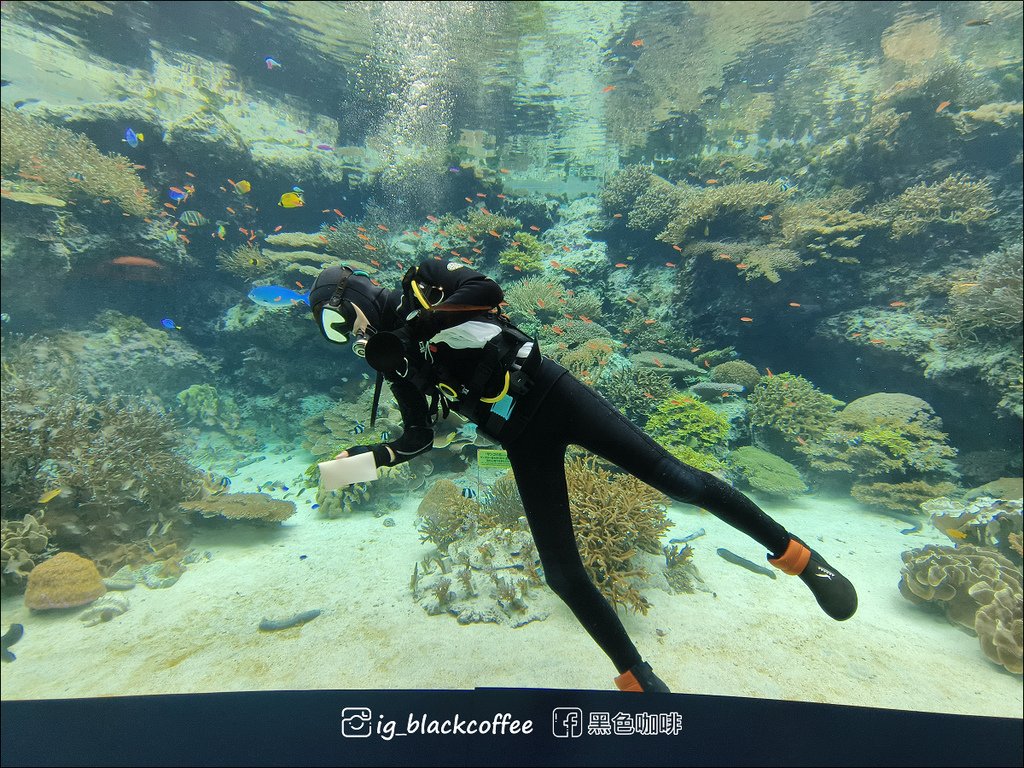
x,y
443,336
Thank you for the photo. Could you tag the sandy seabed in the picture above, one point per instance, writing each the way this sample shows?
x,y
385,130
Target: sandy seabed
x,y
751,636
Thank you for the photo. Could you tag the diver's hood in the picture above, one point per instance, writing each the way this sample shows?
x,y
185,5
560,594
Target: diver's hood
x,y
337,289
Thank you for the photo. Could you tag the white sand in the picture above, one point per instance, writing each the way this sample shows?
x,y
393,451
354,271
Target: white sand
x,y
754,637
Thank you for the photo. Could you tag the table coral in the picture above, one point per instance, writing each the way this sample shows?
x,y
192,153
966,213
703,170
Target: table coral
x,y
255,507
65,580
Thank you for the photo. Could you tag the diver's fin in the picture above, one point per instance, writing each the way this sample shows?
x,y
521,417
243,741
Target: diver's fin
x,y
833,591
640,679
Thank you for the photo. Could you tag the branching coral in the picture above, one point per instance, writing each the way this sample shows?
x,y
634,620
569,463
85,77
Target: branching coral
x,y
246,260
689,429
527,256
900,497
446,515
635,391
64,164
829,226
700,208
614,517
620,193
204,405
791,406
956,200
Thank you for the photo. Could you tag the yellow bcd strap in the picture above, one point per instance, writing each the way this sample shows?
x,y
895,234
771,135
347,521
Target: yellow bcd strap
x,y
496,398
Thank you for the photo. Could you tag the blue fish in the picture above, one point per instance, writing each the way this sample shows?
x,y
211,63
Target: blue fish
x,y
276,296
453,169
175,196
284,487
315,506
170,324
271,64
133,138
298,190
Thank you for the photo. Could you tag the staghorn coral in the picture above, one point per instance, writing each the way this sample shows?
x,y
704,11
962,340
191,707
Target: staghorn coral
x,y
767,261
655,206
1004,114
66,580
739,202
446,515
956,200
900,497
964,580
690,430
251,507
64,164
527,256
622,189
25,543
614,517
636,391
829,226
767,473
791,407
736,372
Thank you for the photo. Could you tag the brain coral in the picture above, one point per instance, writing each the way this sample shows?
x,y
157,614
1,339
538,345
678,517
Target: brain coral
x,y
65,580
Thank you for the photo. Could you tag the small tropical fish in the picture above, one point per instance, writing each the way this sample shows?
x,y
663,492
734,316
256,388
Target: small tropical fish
x,y
677,248
230,210
170,324
325,147
616,215
315,506
711,181
638,43
493,233
136,261
383,228
557,329
897,303
385,436
185,238
793,304
468,199
369,248
49,495
766,217
276,296
977,22
670,264
76,176
801,440
649,322
468,493
534,229
877,341
132,138
742,266
608,89
953,533
243,187
271,64
620,265
481,194
942,106
176,194
566,248
25,103
291,200
746,319
484,211
504,170
657,362
339,213
359,428
221,231
279,227
784,183
432,218
193,218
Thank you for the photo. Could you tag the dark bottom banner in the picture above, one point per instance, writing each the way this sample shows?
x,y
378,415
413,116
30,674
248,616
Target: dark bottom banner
x,y
490,727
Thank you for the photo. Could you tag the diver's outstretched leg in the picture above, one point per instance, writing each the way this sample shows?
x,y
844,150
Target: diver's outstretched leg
x,y
539,468
590,421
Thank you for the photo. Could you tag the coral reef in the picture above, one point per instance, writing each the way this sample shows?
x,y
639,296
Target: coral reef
x,y
25,543
956,200
446,515
615,516
63,164
963,581
628,388
527,256
740,204
790,407
767,473
202,404
736,372
66,580
984,522
251,507
830,226
900,497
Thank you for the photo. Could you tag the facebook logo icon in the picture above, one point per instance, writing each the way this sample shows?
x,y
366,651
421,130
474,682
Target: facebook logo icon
x,y
567,722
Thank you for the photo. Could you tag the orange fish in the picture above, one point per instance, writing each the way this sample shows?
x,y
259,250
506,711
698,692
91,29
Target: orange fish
x,y
375,262
375,282
711,181
172,207
746,319
556,265
742,266
707,363
769,372
616,215
670,264
432,218
442,232
638,43
608,89
369,248
515,242
877,341
566,248
627,330
335,229
183,237
454,253
766,217
657,362
481,194
190,174
361,236
325,210
322,238
501,197
793,304
585,319
631,300
677,248
620,265
503,170
468,199
942,106
278,228
517,268
436,245
694,349
649,322
855,335
535,229
300,285
461,227
662,342
477,251
801,440
724,257
360,229
557,329
493,233
383,228
570,270
897,303
540,303
484,211
138,167
232,182
231,210
339,213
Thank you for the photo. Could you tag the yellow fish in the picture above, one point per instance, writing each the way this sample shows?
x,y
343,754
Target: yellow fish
x,y
243,187
953,533
50,495
291,200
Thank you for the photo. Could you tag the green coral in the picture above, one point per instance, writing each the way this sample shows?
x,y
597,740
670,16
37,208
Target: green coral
x,y
689,429
636,391
829,226
703,207
203,404
246,261
791,407
64,164
900,497
956,200
527,256
620,193
767,473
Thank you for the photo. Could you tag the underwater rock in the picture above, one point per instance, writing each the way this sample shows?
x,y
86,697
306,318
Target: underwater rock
x,y
104,609
207,140
160,575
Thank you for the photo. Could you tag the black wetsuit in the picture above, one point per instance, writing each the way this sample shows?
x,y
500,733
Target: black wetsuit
x,y
557,411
